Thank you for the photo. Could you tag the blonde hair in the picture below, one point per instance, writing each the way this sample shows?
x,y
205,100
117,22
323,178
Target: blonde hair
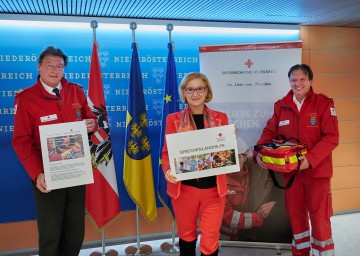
x,y
192,76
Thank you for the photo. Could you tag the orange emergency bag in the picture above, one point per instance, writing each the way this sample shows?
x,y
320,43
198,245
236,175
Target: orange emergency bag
x,y
282,155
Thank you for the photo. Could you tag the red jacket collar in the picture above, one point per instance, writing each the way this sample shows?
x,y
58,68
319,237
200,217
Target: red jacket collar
x,y
289,97
63,82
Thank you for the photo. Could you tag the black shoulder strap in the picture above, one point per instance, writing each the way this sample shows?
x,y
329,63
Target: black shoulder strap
x,y
291,180
276,183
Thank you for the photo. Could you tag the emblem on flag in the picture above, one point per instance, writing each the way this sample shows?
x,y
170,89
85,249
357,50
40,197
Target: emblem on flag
x,y
100,145
138,146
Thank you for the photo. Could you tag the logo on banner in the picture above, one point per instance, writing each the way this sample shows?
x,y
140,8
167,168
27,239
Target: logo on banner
x,y
104,58
249,63
107,91
157,106
157,75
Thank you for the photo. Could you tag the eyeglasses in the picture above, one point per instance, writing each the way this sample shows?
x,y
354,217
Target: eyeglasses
x,y
53,67
190,90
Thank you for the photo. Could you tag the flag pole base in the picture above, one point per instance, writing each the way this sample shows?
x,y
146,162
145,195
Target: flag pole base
x,y
108,253
133,250
169,248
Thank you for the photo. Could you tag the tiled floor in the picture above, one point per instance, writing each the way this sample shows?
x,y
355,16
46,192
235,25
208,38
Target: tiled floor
x,y
346,235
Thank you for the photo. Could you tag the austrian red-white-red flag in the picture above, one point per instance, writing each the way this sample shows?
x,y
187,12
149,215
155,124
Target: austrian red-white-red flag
x,y
102,197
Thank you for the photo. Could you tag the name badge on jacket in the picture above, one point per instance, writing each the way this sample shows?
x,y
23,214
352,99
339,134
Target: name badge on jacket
x,y
48,118
285,122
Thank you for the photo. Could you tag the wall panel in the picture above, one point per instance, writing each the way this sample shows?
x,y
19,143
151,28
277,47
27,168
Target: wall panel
x,y
306,57
346,177
332,38
339,62
347,154
337,85
346,200
349,131
347,108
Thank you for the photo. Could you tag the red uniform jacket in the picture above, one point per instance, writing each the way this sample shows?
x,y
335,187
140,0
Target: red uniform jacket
x,y
32,106
316,126
172,125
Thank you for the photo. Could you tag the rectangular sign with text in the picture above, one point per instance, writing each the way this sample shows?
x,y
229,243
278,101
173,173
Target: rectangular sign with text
x,y
203,153
66,155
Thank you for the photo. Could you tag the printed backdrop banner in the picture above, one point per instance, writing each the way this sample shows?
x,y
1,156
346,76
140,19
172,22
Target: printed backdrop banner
x,y
246,83
18,62
248,80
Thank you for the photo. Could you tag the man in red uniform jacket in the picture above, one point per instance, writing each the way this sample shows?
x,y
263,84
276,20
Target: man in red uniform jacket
x,y
52,100
311,118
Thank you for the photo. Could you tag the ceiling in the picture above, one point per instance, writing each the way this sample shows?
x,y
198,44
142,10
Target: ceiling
x,y
340,13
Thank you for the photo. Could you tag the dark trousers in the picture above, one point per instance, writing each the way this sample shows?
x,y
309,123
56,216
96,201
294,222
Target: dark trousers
x,y
61,221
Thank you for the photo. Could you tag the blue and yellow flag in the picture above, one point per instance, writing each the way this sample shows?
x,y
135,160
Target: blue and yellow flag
x,y
138,175
170,105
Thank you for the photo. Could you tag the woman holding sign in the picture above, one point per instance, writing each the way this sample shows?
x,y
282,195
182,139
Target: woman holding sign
x,y
203,197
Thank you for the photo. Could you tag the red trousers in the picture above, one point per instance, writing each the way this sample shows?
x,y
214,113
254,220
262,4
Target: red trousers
x,y
310,198
205,204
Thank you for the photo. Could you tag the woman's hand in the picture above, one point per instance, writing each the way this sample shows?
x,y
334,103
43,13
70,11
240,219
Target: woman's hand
x,y
169,177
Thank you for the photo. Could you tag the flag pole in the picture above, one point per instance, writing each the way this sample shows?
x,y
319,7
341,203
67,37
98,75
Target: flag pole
x,y
94,25
170,248
140,249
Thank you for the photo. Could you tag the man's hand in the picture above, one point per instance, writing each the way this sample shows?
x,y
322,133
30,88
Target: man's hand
x,y
90,124
259,161
265,209
304,163
40,183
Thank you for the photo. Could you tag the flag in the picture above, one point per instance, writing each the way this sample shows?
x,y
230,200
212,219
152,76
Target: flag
x,y
102,197
138,175
170,105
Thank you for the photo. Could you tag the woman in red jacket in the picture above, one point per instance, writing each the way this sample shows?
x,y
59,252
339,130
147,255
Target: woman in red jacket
x,y
203,197
311,118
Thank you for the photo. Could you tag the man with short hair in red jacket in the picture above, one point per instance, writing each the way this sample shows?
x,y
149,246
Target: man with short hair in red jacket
x,y
52,100
310,118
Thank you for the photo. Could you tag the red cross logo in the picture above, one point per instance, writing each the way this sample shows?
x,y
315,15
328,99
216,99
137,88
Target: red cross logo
x,y
249,63
220,134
